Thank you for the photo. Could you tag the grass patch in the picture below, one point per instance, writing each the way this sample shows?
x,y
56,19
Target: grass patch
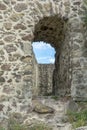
x,y
2,128
15,126
40,127
78,119
55,97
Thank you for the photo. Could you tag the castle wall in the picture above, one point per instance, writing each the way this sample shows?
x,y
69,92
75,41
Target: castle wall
x,y
17,31
35,77
45,79
62,74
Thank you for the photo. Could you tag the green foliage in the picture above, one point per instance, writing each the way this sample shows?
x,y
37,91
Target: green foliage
x,y
35,127
15,126
55,97
78,119
2,128
40,127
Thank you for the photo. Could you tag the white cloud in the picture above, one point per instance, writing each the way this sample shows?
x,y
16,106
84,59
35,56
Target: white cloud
x,y
42,58
44,52
51,60
41,45
47,59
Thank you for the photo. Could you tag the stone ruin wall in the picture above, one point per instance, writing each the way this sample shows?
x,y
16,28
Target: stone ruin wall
x,y
45,79
35,77
63,69
59,38
18,19
42,78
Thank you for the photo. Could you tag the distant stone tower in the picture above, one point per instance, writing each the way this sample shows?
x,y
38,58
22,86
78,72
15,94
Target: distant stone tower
x,y
57,22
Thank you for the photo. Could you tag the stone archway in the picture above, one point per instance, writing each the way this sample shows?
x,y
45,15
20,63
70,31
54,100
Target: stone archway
x,y
18,20
53,30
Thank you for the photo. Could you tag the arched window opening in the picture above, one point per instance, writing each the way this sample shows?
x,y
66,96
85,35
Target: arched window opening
x,y
43,60
53,30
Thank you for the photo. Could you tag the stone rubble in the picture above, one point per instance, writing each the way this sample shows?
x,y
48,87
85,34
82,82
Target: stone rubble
x,y
57,119
82,128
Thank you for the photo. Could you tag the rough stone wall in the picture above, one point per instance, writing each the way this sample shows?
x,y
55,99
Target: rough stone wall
x,y
45,85
17,26
78,62
55,31
35,77
62,72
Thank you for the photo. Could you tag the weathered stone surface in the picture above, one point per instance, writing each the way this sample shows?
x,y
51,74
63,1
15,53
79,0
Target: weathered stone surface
x,y
26,59
72,106
1,107
1,73
81,95
7,90
10,48
27,37
8,25
29,72
20,26
18,78
57,22
13,2
28,67
45,85
10,38
2,59
85,53
17,117
11,58
76,47
2,6
17,55
9,108
6,67
2,79
41,108
1,17
1,52
48,30
9,81
15,17
14,57
6,2
3,97
20,7
82,128
1,43
27,78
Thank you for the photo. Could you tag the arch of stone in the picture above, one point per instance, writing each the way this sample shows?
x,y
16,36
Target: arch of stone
x,y
54,21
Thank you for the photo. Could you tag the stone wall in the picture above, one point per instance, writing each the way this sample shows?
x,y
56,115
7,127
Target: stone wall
x,y
45,85
35,78
21,23
59,38
62,72
78,60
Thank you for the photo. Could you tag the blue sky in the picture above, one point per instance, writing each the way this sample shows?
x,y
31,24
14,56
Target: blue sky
x,y
44,53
